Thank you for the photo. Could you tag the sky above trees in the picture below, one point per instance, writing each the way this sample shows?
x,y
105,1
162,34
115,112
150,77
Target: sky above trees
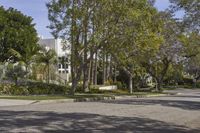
x,y
38,11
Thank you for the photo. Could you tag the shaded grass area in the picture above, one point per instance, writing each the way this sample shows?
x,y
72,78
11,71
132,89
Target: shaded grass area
x,y
180,86
52,97
124,92
34,97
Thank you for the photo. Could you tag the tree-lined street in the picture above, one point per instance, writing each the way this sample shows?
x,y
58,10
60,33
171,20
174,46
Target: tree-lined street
x,y
109,66
174,114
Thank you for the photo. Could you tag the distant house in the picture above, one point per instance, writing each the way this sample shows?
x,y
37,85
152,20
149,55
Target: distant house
x,y
62,50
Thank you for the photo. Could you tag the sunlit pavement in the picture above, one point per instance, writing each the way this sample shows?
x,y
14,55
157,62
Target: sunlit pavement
x,y
8,102
169,114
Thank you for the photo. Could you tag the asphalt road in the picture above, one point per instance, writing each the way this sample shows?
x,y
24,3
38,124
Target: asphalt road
x,y
169,114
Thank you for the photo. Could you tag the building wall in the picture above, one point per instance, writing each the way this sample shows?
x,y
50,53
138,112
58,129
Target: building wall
x,y
63,67
50,43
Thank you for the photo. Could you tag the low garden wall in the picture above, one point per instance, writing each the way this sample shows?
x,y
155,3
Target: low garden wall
x,y
110,87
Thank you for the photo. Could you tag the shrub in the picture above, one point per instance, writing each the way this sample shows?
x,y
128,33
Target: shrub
x,y
120,85
198,85
79,88
15,72
1,71
33,88
10,89
38,88
188,81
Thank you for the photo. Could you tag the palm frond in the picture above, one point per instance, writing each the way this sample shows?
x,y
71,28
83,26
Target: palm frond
x,y
15,53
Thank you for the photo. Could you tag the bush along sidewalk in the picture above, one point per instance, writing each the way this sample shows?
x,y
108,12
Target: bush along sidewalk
x,y
33,88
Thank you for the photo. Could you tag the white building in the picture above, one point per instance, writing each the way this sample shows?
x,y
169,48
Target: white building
x,y
62,50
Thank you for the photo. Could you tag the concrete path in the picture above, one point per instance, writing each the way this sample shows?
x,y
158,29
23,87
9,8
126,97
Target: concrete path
x,y
8,102
170,114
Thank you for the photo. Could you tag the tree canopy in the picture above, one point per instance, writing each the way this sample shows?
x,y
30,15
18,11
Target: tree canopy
x,y
16,32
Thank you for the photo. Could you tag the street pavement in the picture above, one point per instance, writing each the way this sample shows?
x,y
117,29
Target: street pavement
x,y
167,114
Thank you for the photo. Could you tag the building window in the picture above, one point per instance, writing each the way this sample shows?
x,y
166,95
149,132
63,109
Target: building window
x,y
66,66
67,71
66,59
63,58
59,66
63,71
59,72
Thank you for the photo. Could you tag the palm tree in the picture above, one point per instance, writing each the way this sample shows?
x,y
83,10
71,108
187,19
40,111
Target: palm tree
x,y
27,56
47,57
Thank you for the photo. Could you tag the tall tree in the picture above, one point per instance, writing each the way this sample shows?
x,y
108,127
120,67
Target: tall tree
x,y
86,25
102,26
137,33
190,38
191,43
170,50
16,32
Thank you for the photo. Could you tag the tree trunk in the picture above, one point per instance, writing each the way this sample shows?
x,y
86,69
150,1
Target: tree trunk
x,y
110,69
26,69
104,71
156,85
130,84
95,69
89,72
16,80
73,87
85,79
159,85
48,73
85,67
106,68
115,74
91,67
72,56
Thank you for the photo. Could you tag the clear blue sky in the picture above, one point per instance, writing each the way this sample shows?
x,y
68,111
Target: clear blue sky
x,y
38,11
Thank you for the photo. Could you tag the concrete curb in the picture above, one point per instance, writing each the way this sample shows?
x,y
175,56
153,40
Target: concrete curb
x,y
145,96
94,99
75,100
100,98
52,101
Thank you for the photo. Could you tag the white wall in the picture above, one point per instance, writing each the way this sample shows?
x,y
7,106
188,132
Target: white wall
x,y
57,45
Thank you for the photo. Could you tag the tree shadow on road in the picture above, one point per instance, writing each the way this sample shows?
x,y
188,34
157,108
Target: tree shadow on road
x,y
187,105
187,96
33,121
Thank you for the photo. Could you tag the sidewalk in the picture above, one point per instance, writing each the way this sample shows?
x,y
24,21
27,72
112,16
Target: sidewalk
x,y
9,102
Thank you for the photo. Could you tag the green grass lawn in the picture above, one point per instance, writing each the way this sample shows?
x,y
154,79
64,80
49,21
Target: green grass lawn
x,y
81,95
34,97
124,92
142,94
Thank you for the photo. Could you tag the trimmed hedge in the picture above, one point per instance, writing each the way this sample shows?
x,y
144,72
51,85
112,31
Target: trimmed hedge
x,y
33,88
11,89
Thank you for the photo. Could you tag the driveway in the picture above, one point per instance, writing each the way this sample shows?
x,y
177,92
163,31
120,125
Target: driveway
x,y
170,114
